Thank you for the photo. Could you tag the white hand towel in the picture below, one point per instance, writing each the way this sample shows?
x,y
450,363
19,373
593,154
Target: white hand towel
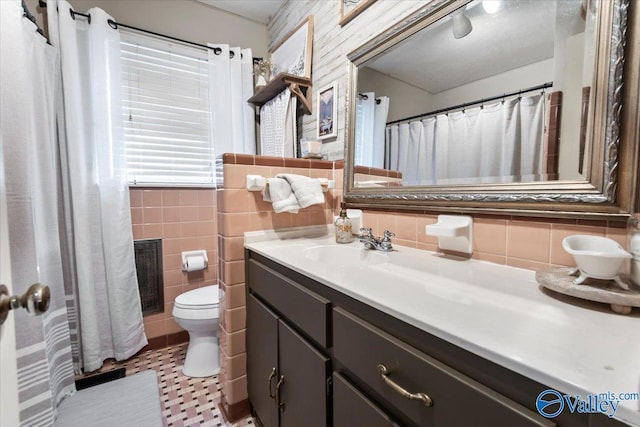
x,y
307,190
278,192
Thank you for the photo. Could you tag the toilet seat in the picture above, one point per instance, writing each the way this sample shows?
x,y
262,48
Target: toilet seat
x,y
204,298
201,303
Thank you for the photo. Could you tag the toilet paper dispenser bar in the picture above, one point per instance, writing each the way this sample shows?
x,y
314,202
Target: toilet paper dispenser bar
x,y
194,260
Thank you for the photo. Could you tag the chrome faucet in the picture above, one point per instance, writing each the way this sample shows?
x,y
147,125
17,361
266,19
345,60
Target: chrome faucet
x,y
376,243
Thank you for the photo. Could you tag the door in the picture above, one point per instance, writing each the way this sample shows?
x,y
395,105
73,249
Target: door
x,y
8,368
262,360
304,391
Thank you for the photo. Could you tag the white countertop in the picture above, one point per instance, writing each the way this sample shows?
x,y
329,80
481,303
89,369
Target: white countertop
x,y
495,311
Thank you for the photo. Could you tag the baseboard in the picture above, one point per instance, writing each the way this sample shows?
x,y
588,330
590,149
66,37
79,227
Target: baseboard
x,y
178,338
163,341
101,378
235,412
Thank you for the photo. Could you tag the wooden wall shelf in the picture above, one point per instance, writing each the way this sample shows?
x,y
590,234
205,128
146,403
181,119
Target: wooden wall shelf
x,y
299,86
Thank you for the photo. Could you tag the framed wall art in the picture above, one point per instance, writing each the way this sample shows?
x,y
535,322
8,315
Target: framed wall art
x,y
327,111
293,54
349,9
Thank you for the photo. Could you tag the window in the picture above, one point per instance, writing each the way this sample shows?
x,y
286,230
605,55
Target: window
x,y
166,112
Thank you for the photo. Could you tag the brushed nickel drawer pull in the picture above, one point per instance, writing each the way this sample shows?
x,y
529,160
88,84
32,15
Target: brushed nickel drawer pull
x,y
422,397
269,382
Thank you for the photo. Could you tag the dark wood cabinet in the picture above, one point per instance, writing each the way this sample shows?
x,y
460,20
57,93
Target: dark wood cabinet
x,y
304,372
326,348
287,377
352,408
364,349
262,360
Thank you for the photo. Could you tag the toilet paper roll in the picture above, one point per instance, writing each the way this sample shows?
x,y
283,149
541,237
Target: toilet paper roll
x,y
195,263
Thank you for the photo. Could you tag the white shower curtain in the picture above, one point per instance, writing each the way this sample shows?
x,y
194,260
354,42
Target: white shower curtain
x,y
230,86
381,111
365,119
28,154
371,119
97,194
499,141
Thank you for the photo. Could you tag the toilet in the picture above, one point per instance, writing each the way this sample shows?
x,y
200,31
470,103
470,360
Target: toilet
x,y
197,312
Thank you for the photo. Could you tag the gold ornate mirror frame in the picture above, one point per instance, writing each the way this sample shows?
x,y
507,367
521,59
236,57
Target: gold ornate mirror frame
x,y
611,188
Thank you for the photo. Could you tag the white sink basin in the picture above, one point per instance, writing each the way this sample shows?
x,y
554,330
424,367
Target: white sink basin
x,y
345,255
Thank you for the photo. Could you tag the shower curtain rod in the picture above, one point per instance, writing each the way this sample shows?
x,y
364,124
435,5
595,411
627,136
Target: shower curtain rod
x,y
113,24
479,101
27,14
365,97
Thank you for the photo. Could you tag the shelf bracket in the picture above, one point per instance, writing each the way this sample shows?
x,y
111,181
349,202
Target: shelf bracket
x,y
305,98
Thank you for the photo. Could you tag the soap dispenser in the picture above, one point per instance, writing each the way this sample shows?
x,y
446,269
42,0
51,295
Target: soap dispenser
x,y
343,226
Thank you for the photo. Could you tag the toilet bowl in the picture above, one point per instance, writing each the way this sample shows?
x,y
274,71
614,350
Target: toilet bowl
x,y
197,312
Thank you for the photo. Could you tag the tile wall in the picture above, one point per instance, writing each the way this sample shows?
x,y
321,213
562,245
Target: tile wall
x,y
238,211
190,219
530,243
185,219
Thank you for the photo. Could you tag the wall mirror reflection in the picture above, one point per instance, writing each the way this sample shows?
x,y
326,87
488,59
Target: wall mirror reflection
x,y
497,91
522,107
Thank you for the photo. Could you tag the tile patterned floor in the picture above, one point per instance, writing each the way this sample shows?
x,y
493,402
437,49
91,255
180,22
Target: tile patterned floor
x,y
186,401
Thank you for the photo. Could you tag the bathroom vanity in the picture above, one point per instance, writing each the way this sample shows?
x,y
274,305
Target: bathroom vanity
x,y
343,336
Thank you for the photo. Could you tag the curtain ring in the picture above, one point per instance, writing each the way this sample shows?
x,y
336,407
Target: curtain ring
x,y
113,24
217,50
73,15
231,54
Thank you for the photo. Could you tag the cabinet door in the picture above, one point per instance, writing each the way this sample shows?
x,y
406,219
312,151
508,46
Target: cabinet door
x,y
352,408
262,360
303,392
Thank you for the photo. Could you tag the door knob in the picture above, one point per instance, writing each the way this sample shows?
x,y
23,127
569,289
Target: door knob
x,y
35,300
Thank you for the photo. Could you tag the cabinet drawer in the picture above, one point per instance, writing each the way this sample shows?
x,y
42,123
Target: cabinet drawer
x,y
352,408
457,399
303,308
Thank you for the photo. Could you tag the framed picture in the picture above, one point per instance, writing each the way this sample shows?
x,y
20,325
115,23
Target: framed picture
x,y
327,111
349,9
292,55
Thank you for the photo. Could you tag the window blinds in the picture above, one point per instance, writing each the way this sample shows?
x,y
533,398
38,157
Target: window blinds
x,y
166,112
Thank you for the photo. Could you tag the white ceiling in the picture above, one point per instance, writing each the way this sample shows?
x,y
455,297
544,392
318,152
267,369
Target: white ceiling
x,y
520,33
256,10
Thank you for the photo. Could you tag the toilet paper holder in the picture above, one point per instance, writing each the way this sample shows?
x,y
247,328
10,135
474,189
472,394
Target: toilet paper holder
x,y
194,254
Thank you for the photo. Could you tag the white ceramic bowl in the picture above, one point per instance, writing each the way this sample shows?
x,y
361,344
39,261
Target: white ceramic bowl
x,y
597,257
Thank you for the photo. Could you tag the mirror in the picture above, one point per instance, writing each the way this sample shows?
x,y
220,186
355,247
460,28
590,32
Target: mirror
x,y
490,105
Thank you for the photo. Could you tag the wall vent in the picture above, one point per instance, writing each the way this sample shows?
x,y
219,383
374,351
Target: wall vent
x,y
150,275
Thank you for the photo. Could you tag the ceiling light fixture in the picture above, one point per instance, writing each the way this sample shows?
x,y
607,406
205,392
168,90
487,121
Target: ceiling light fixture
x,y
461,24
491,6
